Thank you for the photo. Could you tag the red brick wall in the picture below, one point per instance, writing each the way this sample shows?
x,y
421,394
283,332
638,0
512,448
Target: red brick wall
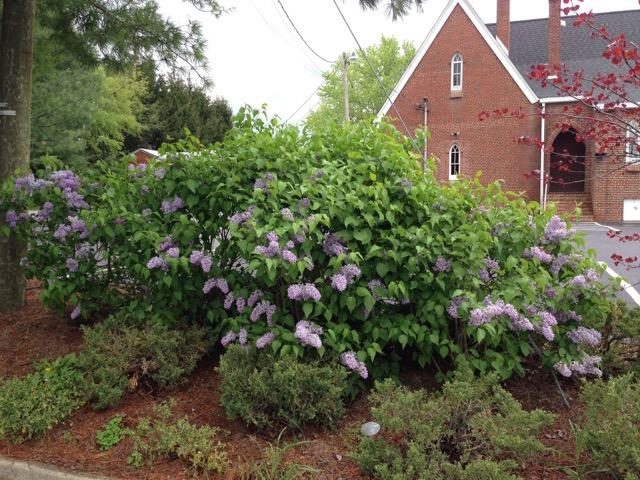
x,y
486,146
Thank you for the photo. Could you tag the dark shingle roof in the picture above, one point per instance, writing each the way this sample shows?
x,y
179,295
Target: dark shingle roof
x,y
578,50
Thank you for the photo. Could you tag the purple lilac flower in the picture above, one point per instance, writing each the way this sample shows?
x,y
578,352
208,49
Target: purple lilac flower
x,y
146,212
165,244
157,263
559,262
75,200
228,300
540,254
173,252
585,336
26,183
591,275
579,281
339,282
242,337
253,298
242,217
196,257
588,365
263,308
304,203
492,265
272,237
270,251
171,206
571,315
351,362
160,172
260,184
302,292
72,264
219,283
76,312
287,214
12,218
299,239
550,292
78,226
228,338
442,264
65,179
547,322
45,212
289,256
61,232
308,334
452,308
481,316
206,263
265,340
241,303
556,230
83,250
332,246
405,183
563,369
484,275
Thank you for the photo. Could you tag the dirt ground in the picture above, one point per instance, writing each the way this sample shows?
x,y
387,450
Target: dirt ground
x,y
34,333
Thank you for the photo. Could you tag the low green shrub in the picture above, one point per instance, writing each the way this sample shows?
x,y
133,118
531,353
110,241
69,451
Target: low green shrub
x,y
162,436
610,432
111,433
472,429
264,391
117,358
31,405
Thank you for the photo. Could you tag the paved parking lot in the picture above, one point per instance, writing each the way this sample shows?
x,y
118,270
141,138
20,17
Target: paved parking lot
x,y
596,238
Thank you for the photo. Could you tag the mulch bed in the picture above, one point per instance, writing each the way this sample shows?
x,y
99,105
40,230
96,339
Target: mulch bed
x,y
34,333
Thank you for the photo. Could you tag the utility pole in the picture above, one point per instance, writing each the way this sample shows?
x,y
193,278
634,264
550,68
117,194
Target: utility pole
x,y
344,58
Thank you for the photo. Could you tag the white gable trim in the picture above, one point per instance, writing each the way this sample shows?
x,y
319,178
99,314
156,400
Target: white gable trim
x,y
496,46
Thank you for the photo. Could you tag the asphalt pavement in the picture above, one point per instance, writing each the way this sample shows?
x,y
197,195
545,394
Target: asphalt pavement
x,y
597,238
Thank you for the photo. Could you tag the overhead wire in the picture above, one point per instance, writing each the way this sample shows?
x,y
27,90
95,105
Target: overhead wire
x,y
373,70
303,103
300,35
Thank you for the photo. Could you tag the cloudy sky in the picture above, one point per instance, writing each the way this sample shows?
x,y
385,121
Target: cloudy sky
x,y
256,57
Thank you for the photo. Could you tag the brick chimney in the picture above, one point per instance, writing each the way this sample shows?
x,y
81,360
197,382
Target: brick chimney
x,y
555,27
503,22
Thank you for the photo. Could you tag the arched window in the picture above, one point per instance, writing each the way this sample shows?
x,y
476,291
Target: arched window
x,y
633,141
454,162
456,72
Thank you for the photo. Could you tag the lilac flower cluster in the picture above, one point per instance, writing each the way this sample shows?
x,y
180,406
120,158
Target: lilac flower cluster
x,y
547,322
219,283
308,334
44,213
12,218
241,303
332,246
265,308
452,308
491,310
76,225
83,250
539,253
65,180
345,277
588,365
172,206
242,217
72,265
137,170
287,214
272,249
556,230
198,257
585,336
229,300
160,172
488,273
442,264
351,362
157,263
302,292
561,260
253,298
173,252
166,244
228,338
265,340
30,184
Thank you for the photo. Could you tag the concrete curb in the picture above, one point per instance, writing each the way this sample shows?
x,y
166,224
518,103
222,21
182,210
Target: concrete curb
x,y
11,469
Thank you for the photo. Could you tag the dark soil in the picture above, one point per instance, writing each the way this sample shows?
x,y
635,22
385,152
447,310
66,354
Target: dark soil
x,y
34,333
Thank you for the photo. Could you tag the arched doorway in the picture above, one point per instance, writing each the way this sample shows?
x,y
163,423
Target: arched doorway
x,y
567,168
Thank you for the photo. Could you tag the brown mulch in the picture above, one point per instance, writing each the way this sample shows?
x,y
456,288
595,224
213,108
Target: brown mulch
x,y
34,333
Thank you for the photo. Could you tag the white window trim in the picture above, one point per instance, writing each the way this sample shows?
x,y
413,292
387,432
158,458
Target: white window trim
x,y
454,61
451,150
630,156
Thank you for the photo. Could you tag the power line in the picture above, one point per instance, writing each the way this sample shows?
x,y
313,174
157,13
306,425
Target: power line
x,y
300,35
303,104
384,89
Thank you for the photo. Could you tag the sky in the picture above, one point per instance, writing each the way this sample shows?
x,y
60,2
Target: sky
x,y
255,57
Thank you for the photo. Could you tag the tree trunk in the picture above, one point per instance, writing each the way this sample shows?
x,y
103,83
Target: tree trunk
x,y
16,59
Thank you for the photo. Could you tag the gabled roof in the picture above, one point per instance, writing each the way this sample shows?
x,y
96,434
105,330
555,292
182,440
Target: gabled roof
x,y
578,51
495,45
148,151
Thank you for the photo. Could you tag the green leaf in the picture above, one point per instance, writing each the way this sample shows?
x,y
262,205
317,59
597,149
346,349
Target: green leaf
x,y
363,236
382,268
307,308
403,339
193,185
351,303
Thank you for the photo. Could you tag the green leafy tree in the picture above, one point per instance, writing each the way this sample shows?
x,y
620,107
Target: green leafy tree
x,y
172,105
389,58
394,8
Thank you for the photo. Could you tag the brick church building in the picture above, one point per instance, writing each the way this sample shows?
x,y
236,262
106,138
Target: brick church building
x,y
464,67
